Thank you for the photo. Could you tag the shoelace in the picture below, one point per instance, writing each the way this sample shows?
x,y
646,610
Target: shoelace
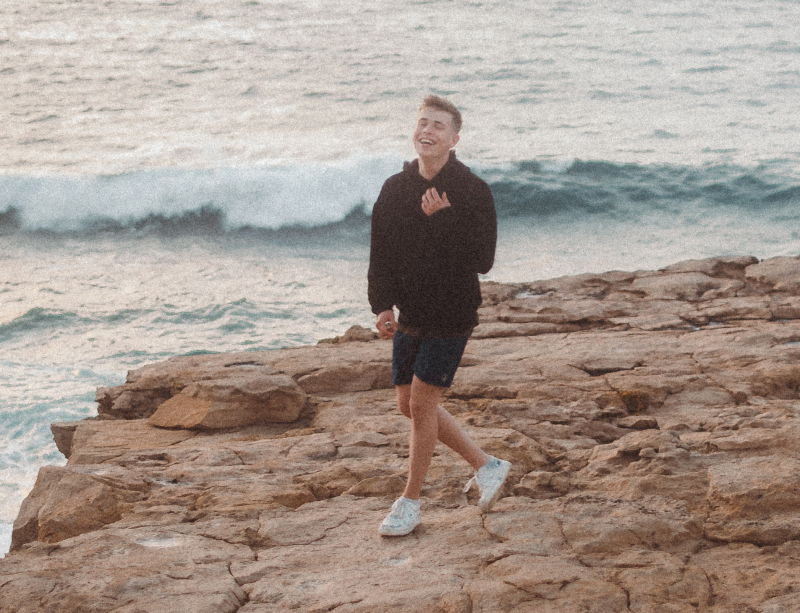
x,y
469,484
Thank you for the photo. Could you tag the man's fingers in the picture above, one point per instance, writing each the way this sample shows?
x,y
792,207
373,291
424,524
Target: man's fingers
x,y
385,324
432,202
430,196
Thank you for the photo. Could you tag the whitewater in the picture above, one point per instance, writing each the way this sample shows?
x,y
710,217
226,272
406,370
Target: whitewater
x,y
184,176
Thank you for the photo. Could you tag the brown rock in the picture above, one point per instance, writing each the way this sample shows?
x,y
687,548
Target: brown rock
x,y
71,501
148,387
149,569
782,273
562,581
755,500
666,579
353,334
533,527
599,525
688,286
638,422
63,432
609,458
95,442
731,267
362,439
348,378
232,403
740,574
389,485
696,509
541,484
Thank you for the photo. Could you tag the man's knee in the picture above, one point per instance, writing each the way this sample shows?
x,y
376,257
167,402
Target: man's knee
x,y
423,400
417,410
405,408
404,399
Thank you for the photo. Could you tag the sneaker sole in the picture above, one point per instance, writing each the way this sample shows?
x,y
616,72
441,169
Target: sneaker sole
x,y
486,507
387,532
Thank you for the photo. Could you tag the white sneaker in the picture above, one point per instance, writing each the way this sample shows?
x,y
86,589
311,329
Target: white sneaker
x,y
490,479
405,516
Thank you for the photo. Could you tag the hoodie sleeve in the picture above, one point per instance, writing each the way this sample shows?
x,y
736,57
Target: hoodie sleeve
x,y
380,276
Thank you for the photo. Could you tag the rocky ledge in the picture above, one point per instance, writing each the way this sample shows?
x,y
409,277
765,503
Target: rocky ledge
x,y
653,420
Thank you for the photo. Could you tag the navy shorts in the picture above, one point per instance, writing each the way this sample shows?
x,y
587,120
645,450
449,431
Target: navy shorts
x,y
434,360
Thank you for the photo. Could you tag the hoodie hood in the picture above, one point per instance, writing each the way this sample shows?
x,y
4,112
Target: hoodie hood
x,y
411,169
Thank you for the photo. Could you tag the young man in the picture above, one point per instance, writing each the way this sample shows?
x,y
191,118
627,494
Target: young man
x,y
434,229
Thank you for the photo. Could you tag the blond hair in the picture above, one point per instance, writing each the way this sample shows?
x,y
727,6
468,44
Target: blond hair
x,y
443,104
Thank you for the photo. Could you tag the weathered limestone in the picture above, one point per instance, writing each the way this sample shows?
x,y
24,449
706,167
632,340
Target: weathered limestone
x,y
783,274
755,500
68,503
232,403
652,419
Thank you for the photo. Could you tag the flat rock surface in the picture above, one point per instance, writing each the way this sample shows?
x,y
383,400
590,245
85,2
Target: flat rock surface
x,y
651,417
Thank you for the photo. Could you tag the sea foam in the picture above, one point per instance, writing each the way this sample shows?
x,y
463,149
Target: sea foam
x,y
262,197
214,201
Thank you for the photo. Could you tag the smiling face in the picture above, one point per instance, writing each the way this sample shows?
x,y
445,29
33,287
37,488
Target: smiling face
x,y
435,134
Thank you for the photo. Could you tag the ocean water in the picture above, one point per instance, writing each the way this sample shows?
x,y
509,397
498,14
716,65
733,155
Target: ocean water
x,y
182,176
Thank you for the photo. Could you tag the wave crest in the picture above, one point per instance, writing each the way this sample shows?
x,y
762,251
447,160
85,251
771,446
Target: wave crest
x,y
298,201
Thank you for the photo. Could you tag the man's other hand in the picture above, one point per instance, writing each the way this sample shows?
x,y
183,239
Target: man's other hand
x,y
386,324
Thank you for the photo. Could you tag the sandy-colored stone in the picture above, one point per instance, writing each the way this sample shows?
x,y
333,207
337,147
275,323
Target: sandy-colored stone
x,y
687,286
782,273
362,439
63,433
731,267
232,403
348,378
386,485
638,422
354,334
95,442
72,501
651,417
755,500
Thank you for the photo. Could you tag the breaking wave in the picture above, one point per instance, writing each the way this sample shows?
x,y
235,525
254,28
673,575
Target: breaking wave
x,y
293,201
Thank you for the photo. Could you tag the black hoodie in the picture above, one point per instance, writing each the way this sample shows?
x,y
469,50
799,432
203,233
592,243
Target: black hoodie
x,y
428,266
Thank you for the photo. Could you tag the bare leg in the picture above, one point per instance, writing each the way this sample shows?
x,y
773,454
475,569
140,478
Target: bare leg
x,y
429,423
424,434
451,434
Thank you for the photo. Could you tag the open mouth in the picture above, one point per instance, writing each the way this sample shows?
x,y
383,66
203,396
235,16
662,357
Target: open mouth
x,y
425,141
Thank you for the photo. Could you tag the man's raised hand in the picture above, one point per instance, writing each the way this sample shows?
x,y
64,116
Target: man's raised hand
x,y
432,202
